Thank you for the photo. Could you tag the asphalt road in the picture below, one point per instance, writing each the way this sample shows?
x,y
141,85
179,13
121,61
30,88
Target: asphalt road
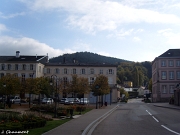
x,y
137,118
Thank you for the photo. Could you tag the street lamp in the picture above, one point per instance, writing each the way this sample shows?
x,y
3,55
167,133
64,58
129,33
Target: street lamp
x,y
4,85
31,90
55,108
97,88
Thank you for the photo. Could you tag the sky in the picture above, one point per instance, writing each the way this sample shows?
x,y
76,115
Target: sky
x,y
134,30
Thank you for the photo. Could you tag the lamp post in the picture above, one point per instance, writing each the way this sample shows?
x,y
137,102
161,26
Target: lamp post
x,y
4,85
55,108
97,88
31,90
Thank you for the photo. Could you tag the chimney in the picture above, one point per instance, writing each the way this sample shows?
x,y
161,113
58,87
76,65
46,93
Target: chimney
x,y
17,54
74,61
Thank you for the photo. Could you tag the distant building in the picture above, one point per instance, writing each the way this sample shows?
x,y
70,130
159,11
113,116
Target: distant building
x,y
128,83
24,66
165,75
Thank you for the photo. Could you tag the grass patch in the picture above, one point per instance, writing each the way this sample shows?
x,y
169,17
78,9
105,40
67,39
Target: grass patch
x,y
49,125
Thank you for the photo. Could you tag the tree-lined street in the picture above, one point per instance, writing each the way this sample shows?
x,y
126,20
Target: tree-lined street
x,y
138,118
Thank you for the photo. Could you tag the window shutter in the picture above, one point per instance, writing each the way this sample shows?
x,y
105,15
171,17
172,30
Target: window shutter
x,y
112,71
45,70
80,71
5,66
34,66
107,72
12,67
27,67
19,66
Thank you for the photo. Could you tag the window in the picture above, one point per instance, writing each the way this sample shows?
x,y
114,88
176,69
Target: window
x,y
16,66
65,80
9,66
163,75
83,71
178,75
110,71
24,67
23,77
65,71
74,71
92,79
171,63
91,71
31,75
171,89
15,75
31,67
1,75
171,75
48,70
164,89
2,67
100,71
163,63
178,63
57,70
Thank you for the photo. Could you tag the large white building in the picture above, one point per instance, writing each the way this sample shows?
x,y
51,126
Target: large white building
x,y
37,66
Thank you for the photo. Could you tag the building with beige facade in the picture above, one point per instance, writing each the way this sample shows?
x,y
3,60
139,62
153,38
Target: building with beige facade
x,y
165,75
37,66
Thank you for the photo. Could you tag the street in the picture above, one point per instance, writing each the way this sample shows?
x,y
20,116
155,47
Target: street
x,y
138,118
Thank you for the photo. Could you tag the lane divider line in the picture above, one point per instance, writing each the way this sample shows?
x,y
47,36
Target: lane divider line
x,y
170,130
155,119
148,112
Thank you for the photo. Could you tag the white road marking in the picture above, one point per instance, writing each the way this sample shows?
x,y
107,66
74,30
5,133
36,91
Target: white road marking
x,y
155,119
148,112
170,130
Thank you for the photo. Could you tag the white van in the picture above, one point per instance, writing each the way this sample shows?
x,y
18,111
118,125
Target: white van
x,y
15,99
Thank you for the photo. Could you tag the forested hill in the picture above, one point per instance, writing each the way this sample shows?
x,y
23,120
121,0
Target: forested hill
x,y
86,57
138,73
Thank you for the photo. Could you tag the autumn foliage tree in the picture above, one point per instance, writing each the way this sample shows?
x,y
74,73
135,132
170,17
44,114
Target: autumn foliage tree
x,y
103,86
12,83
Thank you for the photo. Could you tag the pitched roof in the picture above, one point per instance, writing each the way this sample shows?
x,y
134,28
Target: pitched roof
x,y
82,64
22,58
171,53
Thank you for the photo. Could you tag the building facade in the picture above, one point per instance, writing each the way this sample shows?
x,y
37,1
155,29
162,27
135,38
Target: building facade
x,y
165,75
37,66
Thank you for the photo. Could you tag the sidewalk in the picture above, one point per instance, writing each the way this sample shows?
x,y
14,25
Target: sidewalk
x,y
167,105
78,125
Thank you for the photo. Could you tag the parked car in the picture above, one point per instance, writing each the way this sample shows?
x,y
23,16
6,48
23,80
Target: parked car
x,y
47,101
69,101
15,99
84,101
62,100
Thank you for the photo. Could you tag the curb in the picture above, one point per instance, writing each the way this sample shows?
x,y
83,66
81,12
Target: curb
x,y
167,107
90,128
